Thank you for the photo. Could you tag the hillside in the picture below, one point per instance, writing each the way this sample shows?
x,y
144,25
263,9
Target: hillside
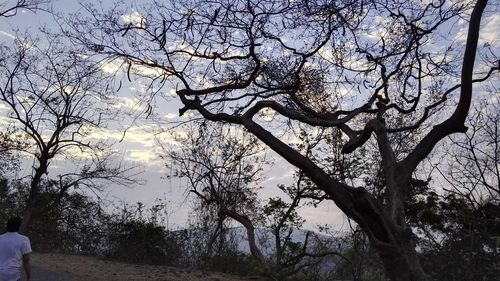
x,y
83,268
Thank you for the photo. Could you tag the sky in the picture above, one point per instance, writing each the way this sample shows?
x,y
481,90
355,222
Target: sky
x,y
138,146
139,143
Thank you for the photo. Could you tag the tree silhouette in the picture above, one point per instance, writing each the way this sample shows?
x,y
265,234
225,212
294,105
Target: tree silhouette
x,y
356,66
56,99
10,9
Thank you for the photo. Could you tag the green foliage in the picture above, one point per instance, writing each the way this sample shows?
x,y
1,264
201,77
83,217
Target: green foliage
x,y
232,261
361,261
71,222
276,211
136,235
137,242
9,144
465,250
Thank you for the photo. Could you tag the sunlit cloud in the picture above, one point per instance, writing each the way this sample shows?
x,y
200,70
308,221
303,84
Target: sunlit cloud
x,y
146,70
115,66
127,103
138,135
79,153
135,19
280,178
490,32
110,66
4,121
267,114
172,93
143,156
171,116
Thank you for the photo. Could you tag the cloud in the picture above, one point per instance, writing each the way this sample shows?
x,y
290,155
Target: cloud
x,y
146,157
171,115
137,134
108,66
325,213
6,34
127,103
488,34
282,175
172,93
115,66
136,19
267,114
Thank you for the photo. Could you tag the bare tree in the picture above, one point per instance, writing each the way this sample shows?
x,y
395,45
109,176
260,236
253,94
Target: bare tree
x,y
57,98
8,9
473,171
349,65
222,171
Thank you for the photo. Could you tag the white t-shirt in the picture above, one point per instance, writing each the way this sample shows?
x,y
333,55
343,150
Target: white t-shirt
x,y
12,248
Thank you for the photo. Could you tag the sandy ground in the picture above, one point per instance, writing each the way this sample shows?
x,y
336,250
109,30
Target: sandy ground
x,y
82,268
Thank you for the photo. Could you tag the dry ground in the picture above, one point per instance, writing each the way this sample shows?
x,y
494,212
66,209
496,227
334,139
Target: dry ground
x,y
83,268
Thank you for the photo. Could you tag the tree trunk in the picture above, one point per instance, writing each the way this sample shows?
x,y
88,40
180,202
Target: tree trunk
x,y
392,241
31,202
279,250
401,262
250,229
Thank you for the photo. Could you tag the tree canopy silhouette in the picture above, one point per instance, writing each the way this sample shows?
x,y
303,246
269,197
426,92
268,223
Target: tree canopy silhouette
x,y
364,68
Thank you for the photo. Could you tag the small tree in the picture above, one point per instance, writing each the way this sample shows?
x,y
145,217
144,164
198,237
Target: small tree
x,y
222,171
56,98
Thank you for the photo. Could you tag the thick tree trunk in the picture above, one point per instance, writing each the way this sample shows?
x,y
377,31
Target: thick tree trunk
x,y
393,242
384,225
401,261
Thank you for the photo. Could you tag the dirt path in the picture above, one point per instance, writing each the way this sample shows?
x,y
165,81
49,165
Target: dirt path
x,y
41,274
58,267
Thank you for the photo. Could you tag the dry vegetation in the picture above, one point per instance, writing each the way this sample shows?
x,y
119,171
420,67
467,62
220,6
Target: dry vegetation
x,y
83,268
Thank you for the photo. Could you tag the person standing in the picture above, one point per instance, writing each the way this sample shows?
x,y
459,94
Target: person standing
x,y
15,252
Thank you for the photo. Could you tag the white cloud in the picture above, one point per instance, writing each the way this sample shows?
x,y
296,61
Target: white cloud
x,y
115,66
128,103
137,134
172,93
110,66
6,34
171,115
325,213
267,114
136,19
142,156
489,32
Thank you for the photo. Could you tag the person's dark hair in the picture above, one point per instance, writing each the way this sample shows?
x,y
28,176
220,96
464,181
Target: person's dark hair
x,y
13,224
